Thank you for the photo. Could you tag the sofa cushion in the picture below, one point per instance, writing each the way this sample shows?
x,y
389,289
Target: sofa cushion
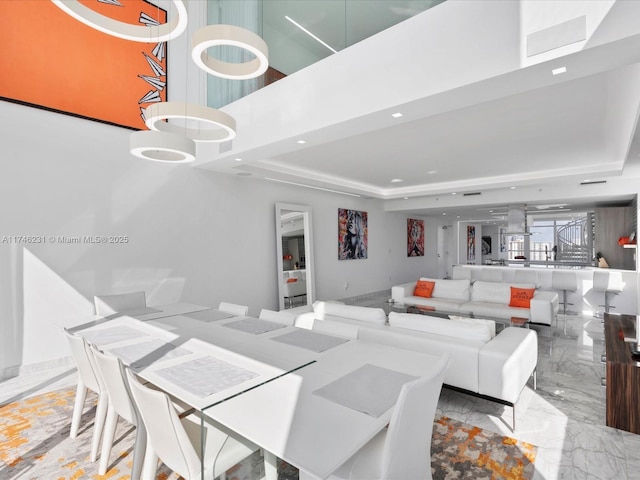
x,y
521,297
495,292
440,326
478,321
424,288
364,314
451,289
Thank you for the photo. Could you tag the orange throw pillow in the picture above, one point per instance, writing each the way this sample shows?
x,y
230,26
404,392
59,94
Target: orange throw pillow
x,y
521,297
424,289
291,280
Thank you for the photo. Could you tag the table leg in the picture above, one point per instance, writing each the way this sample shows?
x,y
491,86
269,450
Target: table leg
x,y
270,466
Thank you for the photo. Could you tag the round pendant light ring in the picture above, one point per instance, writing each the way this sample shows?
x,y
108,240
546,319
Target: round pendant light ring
x,y
162,147
224,125
216,35
137,33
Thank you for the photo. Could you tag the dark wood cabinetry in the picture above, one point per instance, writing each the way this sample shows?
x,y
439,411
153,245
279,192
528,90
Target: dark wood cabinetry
x,y
622,373
611,223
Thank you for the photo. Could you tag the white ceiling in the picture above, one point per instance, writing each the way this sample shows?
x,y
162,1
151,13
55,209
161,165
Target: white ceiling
x,y
522,128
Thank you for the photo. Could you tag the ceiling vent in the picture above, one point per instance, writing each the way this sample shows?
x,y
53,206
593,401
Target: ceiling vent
x,y
592,182
470,194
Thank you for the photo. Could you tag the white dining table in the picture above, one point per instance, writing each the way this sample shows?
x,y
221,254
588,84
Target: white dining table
x,y
289,421
258,378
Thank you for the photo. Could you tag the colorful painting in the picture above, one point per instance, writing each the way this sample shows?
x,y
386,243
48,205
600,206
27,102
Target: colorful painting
x,y
471,243
415,237
55,62
352,234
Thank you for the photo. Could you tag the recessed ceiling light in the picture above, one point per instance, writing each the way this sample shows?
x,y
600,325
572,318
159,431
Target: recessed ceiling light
x,y
406,198
454,193
512,188
559,70
396,115
302,141
396,180
431,172
443,213
238,159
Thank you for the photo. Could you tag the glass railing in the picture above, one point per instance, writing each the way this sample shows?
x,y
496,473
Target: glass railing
x,y
299,33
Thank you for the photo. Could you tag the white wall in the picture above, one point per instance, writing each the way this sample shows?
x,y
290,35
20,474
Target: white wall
x,y
192,235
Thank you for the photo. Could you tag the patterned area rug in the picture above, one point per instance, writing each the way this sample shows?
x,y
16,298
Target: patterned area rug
x,y
35,444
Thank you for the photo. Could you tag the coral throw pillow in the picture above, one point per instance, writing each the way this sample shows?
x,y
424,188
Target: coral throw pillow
x,y
291,280
424,289
521,297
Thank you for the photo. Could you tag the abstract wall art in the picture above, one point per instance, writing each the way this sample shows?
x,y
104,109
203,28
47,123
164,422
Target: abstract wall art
x,y
471,243
55,62
415,237
353,234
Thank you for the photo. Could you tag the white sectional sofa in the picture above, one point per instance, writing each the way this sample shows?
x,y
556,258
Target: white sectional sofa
x,y
482,363
481,298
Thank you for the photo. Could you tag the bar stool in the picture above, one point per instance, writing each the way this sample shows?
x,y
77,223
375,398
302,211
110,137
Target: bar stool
x,y
526,275
567,282
608,282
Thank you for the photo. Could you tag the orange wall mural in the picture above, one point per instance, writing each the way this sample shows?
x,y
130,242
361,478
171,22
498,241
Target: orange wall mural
x,y
51,60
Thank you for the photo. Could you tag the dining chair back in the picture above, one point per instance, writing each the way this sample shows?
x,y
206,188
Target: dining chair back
x,y
110,304
280,317
177,441
407,446
234,309
111,371
87,380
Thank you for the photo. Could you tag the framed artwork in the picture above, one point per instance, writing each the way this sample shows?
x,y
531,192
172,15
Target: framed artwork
x,y
60,64
502,239
471,242
486,245
352,234
415,237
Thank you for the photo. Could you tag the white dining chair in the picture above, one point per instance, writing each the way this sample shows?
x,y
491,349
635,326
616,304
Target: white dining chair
x,y
403,449
120,404
110,304
279,317
234,309
87,380
176,441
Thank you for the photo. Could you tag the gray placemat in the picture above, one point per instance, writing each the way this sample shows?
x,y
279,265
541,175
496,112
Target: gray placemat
x,y
142,354
314,341
206,375
369,389
254,326
104,336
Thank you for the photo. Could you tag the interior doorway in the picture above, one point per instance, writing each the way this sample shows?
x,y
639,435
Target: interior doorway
x,y
444,260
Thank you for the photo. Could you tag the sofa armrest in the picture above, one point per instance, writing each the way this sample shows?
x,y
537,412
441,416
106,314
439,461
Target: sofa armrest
x,y
507,362
544,307
400,292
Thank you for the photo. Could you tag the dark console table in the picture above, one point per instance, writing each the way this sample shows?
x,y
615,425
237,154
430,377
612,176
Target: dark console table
x,y
622,372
